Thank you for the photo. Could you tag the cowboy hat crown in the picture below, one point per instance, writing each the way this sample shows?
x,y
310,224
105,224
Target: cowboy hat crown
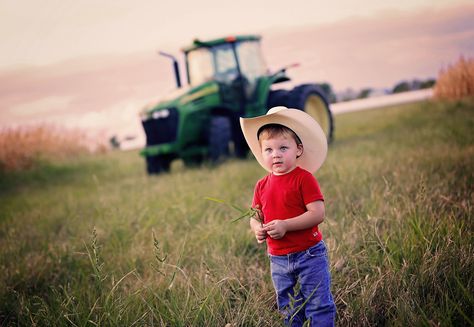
x,y
306,128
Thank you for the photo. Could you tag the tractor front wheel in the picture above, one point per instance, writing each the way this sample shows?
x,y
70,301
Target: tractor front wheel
x,y
157,164
311,99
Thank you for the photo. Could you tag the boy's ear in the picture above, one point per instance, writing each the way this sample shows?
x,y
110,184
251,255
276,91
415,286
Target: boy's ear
x,y
299,150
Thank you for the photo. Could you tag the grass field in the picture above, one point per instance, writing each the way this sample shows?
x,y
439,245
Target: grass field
x,y
95,242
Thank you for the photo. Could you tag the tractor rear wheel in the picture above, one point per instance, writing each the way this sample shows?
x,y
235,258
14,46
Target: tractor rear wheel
x,y
311,99
193,160
277,98
219,138
157,164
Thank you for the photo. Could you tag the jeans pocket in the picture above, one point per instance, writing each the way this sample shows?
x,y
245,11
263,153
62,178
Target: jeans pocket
x,y
317,250
278,262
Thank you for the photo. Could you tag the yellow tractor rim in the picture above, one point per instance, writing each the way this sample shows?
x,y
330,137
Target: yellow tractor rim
x,y
316,108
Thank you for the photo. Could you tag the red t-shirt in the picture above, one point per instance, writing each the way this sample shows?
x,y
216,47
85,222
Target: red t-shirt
x,y
283,197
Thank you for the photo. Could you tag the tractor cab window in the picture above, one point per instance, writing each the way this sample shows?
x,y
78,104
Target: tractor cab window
x,y
226,66
200,66
217,62
251,64
251,60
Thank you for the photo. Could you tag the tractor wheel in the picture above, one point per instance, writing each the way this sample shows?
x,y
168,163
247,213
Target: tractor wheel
x,y
193,161
157,164
278,98
219,138
241,147
311,99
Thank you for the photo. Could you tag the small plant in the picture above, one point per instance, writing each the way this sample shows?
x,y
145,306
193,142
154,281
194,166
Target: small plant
x,y
159,256
296,304
95,259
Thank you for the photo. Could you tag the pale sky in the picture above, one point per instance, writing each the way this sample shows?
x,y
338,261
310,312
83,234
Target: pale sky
x,y
48,31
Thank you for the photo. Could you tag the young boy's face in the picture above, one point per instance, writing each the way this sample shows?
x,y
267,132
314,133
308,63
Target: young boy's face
x,y
280,153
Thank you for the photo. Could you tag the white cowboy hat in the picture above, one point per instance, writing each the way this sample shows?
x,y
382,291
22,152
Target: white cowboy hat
x,y
315,145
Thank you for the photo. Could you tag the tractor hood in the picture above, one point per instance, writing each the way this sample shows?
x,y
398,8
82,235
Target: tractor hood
x,y
166,99
179,97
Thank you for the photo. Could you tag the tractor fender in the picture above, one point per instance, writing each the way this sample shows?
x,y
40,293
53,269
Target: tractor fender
x,y
309,87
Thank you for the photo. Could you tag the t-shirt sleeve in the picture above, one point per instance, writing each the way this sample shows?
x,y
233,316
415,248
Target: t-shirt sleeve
x,y
310,189
256,196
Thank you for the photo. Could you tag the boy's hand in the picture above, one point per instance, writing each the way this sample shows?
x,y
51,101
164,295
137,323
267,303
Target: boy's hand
x,y
260,234
276,229
257,227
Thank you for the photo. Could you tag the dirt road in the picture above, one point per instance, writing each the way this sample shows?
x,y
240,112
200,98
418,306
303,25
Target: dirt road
x,y
381,101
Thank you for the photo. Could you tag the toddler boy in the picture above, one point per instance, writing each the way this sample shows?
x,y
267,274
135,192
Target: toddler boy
x,y
291,146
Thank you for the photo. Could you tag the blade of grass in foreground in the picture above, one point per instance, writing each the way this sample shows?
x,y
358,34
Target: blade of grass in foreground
x,y
249,213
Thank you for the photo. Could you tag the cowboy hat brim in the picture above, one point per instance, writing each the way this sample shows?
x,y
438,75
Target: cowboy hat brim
x,y
314,140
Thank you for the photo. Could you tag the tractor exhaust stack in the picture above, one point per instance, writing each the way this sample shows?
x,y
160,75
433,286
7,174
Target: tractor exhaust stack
x,y
175,66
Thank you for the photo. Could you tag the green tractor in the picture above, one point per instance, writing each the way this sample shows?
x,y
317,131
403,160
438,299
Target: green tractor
x,y
227,78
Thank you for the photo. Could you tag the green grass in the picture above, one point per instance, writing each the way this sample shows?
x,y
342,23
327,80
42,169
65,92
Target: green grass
x,y
97,242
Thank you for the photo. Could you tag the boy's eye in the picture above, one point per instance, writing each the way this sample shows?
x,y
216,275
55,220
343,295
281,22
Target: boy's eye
x,y
268,150
283,148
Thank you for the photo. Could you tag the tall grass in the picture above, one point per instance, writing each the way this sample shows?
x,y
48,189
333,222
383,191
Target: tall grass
x,y
97,242
456,81
22,148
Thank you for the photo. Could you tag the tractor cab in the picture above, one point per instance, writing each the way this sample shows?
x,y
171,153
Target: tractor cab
x,y
235,63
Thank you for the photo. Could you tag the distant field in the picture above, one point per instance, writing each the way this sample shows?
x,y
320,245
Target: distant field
x,y
97,242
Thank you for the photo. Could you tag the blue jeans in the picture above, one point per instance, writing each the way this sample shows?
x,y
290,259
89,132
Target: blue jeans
x,y
303,286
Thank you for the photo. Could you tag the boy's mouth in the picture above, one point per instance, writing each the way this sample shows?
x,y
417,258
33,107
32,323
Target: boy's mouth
x,y
277,163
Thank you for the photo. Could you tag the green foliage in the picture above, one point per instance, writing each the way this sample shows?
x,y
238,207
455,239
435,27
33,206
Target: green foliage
x,y
402,87
97,242
364,93
415,84
328,91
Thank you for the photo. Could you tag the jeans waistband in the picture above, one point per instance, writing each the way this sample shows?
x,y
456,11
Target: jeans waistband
x,y
298,252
